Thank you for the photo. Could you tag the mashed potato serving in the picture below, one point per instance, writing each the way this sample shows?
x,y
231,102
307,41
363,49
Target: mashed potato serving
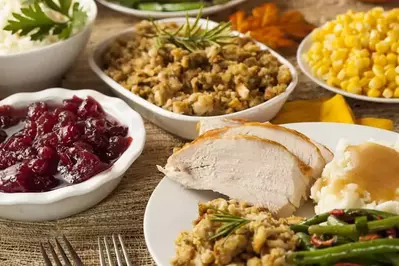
x,y
360,176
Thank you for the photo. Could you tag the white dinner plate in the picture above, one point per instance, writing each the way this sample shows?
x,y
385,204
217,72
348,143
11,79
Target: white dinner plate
x,y
157,14
304,66
171,208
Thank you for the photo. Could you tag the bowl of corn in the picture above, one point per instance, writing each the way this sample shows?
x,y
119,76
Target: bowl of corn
x,y
356,55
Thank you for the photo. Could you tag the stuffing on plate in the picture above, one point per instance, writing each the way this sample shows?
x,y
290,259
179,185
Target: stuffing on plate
x,y
257,238
215,80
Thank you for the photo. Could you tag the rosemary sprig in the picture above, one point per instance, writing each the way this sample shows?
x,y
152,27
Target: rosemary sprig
x,y
230,223
193,37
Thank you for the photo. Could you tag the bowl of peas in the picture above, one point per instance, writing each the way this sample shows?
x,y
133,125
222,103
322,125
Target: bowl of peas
x,y
169,8
356,55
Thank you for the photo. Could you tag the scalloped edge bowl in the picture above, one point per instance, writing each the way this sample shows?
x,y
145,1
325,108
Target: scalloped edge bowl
x,y
183,125
70,200
304,66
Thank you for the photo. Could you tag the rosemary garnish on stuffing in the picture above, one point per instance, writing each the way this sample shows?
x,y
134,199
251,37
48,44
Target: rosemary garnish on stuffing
x,y
230,223
193,37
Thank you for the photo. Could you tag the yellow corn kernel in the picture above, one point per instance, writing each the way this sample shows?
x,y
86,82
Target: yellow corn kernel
x,y
382,25
354,87
333,81
393,34
355,79
380,59
340,54
382,47
352,41
368,74
364,82
376,83
374,93
344,85
351,71
364,53
387,93
392,58
397,80
397,69
341,74
396,93
366,62
378,70
392,85
390,74
377,12
337,65
322,70
394,47
389,66
375,36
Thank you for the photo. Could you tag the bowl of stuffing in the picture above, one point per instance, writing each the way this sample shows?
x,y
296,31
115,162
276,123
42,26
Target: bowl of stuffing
x,y
176,72
40,41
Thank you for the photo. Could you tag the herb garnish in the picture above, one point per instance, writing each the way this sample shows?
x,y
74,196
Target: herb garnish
x,y
230,223
36,22
194,37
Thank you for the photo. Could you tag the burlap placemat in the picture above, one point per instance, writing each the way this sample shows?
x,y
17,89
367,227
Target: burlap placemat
x,y
123,211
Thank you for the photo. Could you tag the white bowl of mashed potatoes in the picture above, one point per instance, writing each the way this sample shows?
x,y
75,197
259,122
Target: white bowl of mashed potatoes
x,y
27,65
360,176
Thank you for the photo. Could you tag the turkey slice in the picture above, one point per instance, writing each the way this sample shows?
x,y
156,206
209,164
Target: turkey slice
x,y
210,124
242,167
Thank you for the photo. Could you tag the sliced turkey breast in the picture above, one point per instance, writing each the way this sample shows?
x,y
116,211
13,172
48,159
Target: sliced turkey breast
x,y
242,167
210,124
298,144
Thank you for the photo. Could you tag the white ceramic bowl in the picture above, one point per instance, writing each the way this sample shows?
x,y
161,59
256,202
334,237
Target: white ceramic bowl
x,y
43,67
156,14
70,200
183,125
304,66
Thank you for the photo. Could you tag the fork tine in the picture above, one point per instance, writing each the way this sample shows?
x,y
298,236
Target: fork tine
x,y
73,253
45,257
101,253
62,252
111,263
127,259
118,255
55,257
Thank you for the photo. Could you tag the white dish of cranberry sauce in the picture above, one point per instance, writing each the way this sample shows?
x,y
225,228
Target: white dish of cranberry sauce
x,y
63,151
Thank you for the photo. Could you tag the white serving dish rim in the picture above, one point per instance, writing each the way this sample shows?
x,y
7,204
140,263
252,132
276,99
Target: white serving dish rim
x,y
159,110
92,14
136,125
159,14
306,43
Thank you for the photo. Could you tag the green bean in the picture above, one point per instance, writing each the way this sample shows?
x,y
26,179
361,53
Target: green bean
x,y
332,220
182,6
393,259
351,229
304,241
299,228
340,230
317,219
339,253
379,225
365,212
361,225
150,6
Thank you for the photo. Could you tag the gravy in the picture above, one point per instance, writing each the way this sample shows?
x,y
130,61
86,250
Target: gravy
x,y
375,169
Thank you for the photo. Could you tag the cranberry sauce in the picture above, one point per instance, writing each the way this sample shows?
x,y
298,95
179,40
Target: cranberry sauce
x,y
67,144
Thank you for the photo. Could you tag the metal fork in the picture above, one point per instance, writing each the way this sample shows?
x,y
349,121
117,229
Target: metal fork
x,y
117,252
75,258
